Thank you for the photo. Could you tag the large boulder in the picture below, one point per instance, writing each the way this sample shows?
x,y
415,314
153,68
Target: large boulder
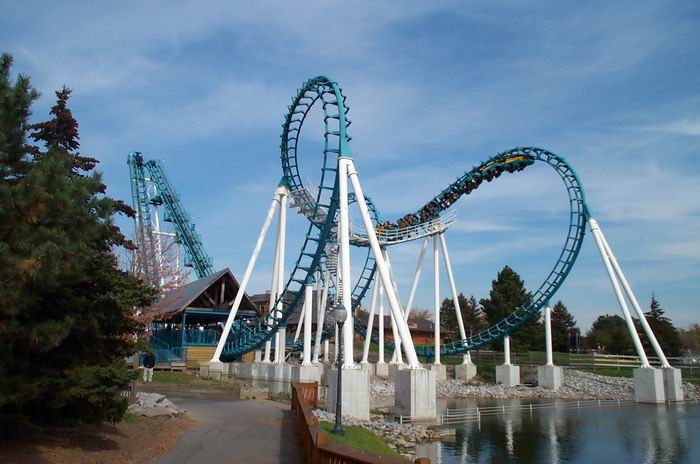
x,y
154,405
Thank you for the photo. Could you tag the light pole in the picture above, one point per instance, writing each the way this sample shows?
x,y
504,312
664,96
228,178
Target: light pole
x,y
340,314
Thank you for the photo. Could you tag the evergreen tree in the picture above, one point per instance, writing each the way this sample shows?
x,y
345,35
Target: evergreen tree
x,y
66,320
666,334
506,295
472,316
609,334
563,327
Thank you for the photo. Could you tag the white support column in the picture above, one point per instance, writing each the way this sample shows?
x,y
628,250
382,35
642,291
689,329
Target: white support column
x,y
370,324
506,351
326,351
344,237
455,297
246,275
548,335
273,300
381,319
282,234
635,304
302,321
402,327
436,296
320,320
618,293
397,357
308,308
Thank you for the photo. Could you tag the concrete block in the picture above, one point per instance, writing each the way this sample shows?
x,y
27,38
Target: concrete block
x,y
306,374
508,375
354,392
648,385
393,368
416,394
279,378
369,367
550,377
235,368
673,384
465,372
381,370
440,371
213,370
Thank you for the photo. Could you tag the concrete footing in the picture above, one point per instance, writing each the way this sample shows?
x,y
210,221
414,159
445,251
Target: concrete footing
x,y
465,372
648,385
213,370
673,384
393,368
306,374
440,371
416,393
381,370
550,377
369,367
354,392
279,378
508,375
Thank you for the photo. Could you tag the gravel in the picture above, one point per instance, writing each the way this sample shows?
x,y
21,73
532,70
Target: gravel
x,y
577,385
154,405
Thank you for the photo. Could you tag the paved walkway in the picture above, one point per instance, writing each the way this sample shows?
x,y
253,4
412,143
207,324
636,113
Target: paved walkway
x,y
235,431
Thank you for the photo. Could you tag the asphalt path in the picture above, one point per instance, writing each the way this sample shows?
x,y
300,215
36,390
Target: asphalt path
x,y
235,431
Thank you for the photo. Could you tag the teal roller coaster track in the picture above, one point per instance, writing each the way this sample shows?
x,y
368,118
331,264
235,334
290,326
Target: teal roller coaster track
x,y
322,215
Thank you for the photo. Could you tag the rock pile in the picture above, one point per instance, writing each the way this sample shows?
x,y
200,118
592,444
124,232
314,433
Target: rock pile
x,y
401,437
154,405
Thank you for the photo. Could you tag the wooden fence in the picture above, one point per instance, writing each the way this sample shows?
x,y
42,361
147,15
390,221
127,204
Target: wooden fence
x,y
318,449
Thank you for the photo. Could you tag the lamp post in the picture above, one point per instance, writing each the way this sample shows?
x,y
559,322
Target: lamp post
x,y
340,314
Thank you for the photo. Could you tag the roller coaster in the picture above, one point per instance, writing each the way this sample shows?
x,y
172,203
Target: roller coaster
x,y
324,258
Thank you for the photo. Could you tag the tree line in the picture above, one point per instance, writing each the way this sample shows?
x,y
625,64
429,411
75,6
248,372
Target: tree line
x,y
608,333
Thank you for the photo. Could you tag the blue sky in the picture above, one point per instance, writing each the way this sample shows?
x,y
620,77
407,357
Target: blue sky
x,y
434,87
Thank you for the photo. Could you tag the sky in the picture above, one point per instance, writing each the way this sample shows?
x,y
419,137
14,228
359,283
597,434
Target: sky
x,y
433,89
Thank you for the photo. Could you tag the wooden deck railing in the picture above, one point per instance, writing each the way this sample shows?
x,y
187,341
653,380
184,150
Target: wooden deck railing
x,y
318,449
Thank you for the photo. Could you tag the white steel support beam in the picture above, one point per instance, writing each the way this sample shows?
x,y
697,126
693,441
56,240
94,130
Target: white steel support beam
x,y
416,278
506,351
397,357
282,236
370,323
302,321
451,278
308,308
402,326
246,276
635,304
344,268
320,319
436,296
548,335
381,319
273,300
618,293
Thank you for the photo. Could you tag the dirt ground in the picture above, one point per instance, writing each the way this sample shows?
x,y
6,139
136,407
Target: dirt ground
x,y
135,440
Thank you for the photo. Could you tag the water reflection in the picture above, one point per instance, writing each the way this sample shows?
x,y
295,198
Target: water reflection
x,y
630,434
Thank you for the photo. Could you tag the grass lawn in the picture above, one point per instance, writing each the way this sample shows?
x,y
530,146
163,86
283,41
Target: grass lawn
x,y
174,377
361,438
610,371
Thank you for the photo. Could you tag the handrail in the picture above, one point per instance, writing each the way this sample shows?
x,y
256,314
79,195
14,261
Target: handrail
x,y
317,446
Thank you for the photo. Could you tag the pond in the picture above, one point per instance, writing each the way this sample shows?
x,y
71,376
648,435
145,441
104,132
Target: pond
x,y
629,433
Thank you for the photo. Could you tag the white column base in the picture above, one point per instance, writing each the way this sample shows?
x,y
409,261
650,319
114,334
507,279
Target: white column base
x,y
673,384
465,372
369,367
550,377
508,375
306,374
416,394
279,378
648,385
354,394
440,371
381,370
213,370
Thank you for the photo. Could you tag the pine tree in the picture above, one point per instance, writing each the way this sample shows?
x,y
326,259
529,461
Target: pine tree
x,y
609,334
506,295
65,309
666,334
472,316
563,327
